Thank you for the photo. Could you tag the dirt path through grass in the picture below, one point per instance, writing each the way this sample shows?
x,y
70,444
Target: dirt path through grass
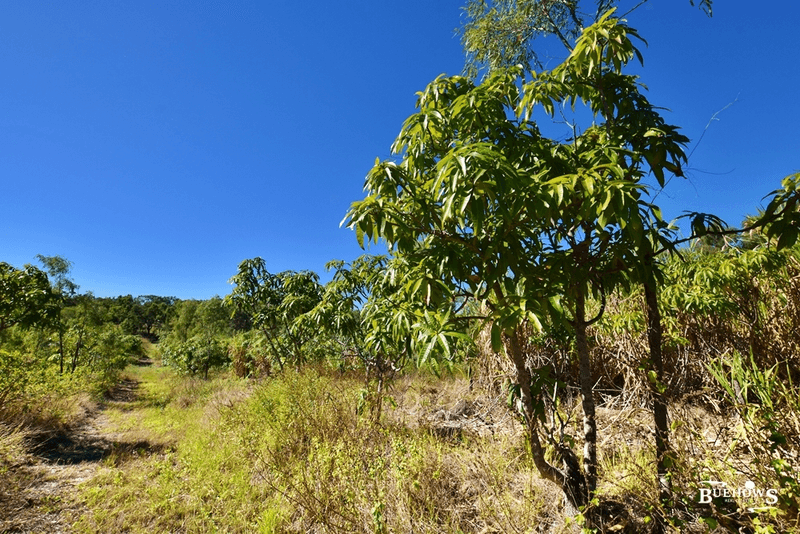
x,y
40,496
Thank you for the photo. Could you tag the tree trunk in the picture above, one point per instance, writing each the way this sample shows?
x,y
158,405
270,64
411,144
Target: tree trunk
x,y
377,407
61,350
77,352
654,339
274,349
587,396
571,480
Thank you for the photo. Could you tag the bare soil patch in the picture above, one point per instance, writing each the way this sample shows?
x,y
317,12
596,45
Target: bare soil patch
x,y
40,486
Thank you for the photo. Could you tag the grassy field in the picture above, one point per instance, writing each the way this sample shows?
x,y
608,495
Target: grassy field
x,y
299,452
295,453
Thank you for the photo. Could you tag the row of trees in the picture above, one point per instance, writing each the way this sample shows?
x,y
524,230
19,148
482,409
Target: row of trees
x,y
50,331
267,322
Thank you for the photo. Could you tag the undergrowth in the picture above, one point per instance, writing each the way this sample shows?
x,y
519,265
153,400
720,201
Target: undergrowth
x,y
293,453
46,406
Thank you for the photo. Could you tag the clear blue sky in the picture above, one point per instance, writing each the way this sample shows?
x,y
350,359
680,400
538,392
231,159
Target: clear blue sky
x,y
156,145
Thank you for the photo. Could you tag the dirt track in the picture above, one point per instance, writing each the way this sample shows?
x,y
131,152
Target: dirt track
x,y
39,493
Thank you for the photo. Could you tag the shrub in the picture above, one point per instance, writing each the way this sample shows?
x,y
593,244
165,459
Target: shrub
x,y
198,354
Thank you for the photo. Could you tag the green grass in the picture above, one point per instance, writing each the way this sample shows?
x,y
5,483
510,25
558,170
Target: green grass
x,y
186,477
293,454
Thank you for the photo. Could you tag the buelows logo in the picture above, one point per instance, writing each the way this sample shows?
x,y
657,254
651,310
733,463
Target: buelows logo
x,y
756,498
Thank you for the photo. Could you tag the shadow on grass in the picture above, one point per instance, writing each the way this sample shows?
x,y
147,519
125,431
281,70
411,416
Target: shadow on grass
x,y
70,449
87,443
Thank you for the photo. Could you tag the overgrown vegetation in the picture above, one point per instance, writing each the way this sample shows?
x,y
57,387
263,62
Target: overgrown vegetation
x,y
54,341
296,457
306,449
292,454
535,330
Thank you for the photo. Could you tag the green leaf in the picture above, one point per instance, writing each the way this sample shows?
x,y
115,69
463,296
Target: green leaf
x,y
463,164
657,213
534,320
602,220
710,522
497,338
787,238
359,235
605,203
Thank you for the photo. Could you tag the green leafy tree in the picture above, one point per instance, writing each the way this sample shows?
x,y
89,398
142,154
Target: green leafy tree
x,y
198,354
26,298
197,336
362,311
302,293
85,335
214,317
482,206
199,317
126,312
111,352
273,302
152,313
503,33
58,269
87,339
27,301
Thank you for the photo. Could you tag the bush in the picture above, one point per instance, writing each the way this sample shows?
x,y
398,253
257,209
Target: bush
x,y
198,354
249,355
16,371
770,421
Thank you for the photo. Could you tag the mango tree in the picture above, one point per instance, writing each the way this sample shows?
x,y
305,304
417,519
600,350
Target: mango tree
x,y
781,218
482,206
347,314
273,302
